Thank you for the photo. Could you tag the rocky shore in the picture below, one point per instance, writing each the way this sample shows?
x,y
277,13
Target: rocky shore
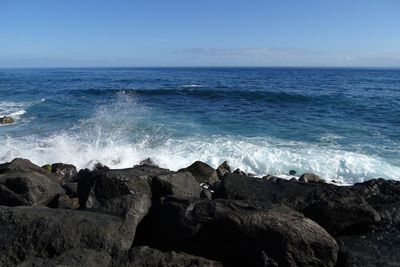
x,y
149,216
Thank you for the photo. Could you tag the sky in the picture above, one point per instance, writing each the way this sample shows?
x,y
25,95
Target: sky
x,y
77,33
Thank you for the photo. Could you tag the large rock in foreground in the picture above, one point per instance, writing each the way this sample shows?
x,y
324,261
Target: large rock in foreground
x,y
39,232
136,257
338,209
145,256
24,183
240,233
98,186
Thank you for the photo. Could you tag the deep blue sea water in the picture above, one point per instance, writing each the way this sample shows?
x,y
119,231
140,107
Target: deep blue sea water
x,y
339,123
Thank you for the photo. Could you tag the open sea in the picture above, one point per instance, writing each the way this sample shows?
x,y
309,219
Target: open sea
x,y
340,123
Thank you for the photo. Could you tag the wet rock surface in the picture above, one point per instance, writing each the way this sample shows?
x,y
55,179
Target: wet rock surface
x,y
198,216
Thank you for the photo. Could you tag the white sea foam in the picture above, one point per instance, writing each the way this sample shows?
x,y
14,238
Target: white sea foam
x,y
192,86
251,155
16,109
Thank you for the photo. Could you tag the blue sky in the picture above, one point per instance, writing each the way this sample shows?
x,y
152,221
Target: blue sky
x,y
48,33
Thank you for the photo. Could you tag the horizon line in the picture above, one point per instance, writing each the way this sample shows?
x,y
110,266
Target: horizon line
x,y
203,66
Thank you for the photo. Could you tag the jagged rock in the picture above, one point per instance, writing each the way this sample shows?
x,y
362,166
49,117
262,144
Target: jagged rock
x,y
223,169
6,120
240,233
97,186
384,196
311,178
371,249
240,172
202,172
147,162
292,172
337,208
24,183
67,171
180,184
269,177
146,256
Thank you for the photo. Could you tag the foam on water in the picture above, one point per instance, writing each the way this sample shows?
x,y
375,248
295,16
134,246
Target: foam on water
x,y
121,133
251,155
16,109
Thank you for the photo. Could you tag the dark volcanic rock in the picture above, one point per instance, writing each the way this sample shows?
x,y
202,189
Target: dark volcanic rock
x,y
240,233
337,208
383,196
38,232
371,249
72,257
131,207
240,172
202,172
24,183
67,171
223,169
145,256
6,120
311,177
98,186
180,184
65,202
147,162
71,189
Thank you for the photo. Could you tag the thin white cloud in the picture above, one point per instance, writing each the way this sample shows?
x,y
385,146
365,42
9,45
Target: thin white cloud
x,y
281,57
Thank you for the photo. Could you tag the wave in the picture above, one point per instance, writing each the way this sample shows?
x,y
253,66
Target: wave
x,y
251,155
16,109
206,92
120,134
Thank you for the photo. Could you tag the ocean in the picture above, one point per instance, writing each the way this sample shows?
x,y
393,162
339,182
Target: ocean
x,y
340,123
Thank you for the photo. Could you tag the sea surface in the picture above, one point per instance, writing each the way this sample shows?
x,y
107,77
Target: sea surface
x,y
340,123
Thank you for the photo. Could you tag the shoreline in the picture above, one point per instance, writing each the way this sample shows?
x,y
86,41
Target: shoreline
x,y
197,216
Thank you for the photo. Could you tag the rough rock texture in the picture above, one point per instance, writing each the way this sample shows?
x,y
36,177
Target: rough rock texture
x,y
96,187
337,208
223,169
131,207
202,172
240,233
383,196
147,162
67,171
371,249
40,232
145,256
65,202
44,233
24,183
235,221
311,178
181,184
6,120
71,189
72,257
